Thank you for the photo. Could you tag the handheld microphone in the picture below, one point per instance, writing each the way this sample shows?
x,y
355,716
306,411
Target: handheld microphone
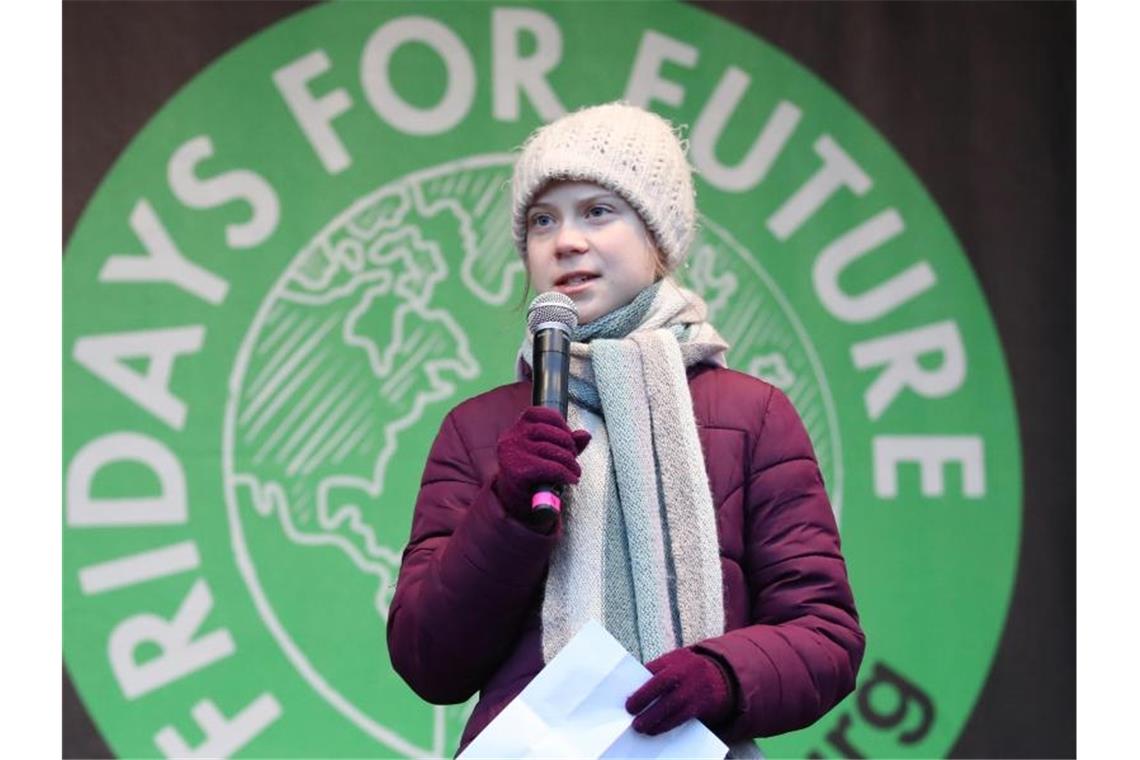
x,y
552,316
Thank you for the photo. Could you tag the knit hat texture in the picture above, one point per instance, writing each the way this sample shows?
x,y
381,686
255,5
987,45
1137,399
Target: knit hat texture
x,y
632,152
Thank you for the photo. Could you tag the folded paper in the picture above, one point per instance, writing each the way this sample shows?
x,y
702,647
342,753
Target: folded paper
x,y
575,708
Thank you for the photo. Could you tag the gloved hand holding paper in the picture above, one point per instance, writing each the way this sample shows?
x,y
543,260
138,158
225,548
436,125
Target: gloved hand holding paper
x,y
575,708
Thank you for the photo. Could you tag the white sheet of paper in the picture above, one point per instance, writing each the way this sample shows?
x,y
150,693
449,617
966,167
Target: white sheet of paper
x,y
575,708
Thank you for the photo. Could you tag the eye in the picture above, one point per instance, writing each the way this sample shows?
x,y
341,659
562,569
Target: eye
x,y
598,211
540,220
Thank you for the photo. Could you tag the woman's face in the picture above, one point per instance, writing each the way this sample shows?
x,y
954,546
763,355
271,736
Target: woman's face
x,y
585,241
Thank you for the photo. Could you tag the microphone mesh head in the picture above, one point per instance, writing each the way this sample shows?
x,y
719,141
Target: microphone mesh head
x,y
552,306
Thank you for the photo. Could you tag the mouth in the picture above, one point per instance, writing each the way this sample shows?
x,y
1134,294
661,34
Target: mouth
x,y
572,282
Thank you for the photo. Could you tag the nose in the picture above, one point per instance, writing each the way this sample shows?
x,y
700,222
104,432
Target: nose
x,y
570,241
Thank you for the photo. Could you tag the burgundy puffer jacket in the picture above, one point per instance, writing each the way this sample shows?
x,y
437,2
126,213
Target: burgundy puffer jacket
x,y
466,612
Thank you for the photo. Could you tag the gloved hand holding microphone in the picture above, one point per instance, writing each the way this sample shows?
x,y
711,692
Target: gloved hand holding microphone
x,y
538,453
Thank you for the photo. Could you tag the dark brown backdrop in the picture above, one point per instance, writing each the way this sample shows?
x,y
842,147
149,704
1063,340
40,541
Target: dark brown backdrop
x,y
979,98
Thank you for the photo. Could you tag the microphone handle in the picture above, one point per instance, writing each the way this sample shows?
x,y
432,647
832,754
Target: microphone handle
x,y
551,362
550,388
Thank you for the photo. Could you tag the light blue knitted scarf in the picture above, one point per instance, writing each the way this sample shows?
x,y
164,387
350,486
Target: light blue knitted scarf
x,y
640,551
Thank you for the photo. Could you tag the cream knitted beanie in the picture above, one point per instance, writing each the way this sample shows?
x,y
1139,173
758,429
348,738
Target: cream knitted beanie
x,y
629,150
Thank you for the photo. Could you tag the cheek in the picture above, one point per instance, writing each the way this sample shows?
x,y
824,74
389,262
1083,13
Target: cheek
x,y
541,278
643,267
647,269
532,264
538,277
651,264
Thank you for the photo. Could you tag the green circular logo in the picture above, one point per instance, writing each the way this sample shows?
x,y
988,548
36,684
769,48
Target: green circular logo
x,y
304,261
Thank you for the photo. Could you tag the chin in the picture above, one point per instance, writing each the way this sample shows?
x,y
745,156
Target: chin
x,y
587,314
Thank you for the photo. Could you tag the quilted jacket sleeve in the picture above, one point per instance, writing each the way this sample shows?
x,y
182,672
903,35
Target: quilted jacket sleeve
x,y
468,576
804,647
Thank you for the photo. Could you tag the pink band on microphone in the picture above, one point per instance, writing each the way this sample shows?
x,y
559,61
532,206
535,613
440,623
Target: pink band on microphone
x,y
545,499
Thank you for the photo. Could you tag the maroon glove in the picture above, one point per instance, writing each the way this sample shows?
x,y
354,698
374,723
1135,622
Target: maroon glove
x,y
539,449
685,685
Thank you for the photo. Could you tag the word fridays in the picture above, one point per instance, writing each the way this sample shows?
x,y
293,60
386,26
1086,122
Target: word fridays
x,y
183,647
